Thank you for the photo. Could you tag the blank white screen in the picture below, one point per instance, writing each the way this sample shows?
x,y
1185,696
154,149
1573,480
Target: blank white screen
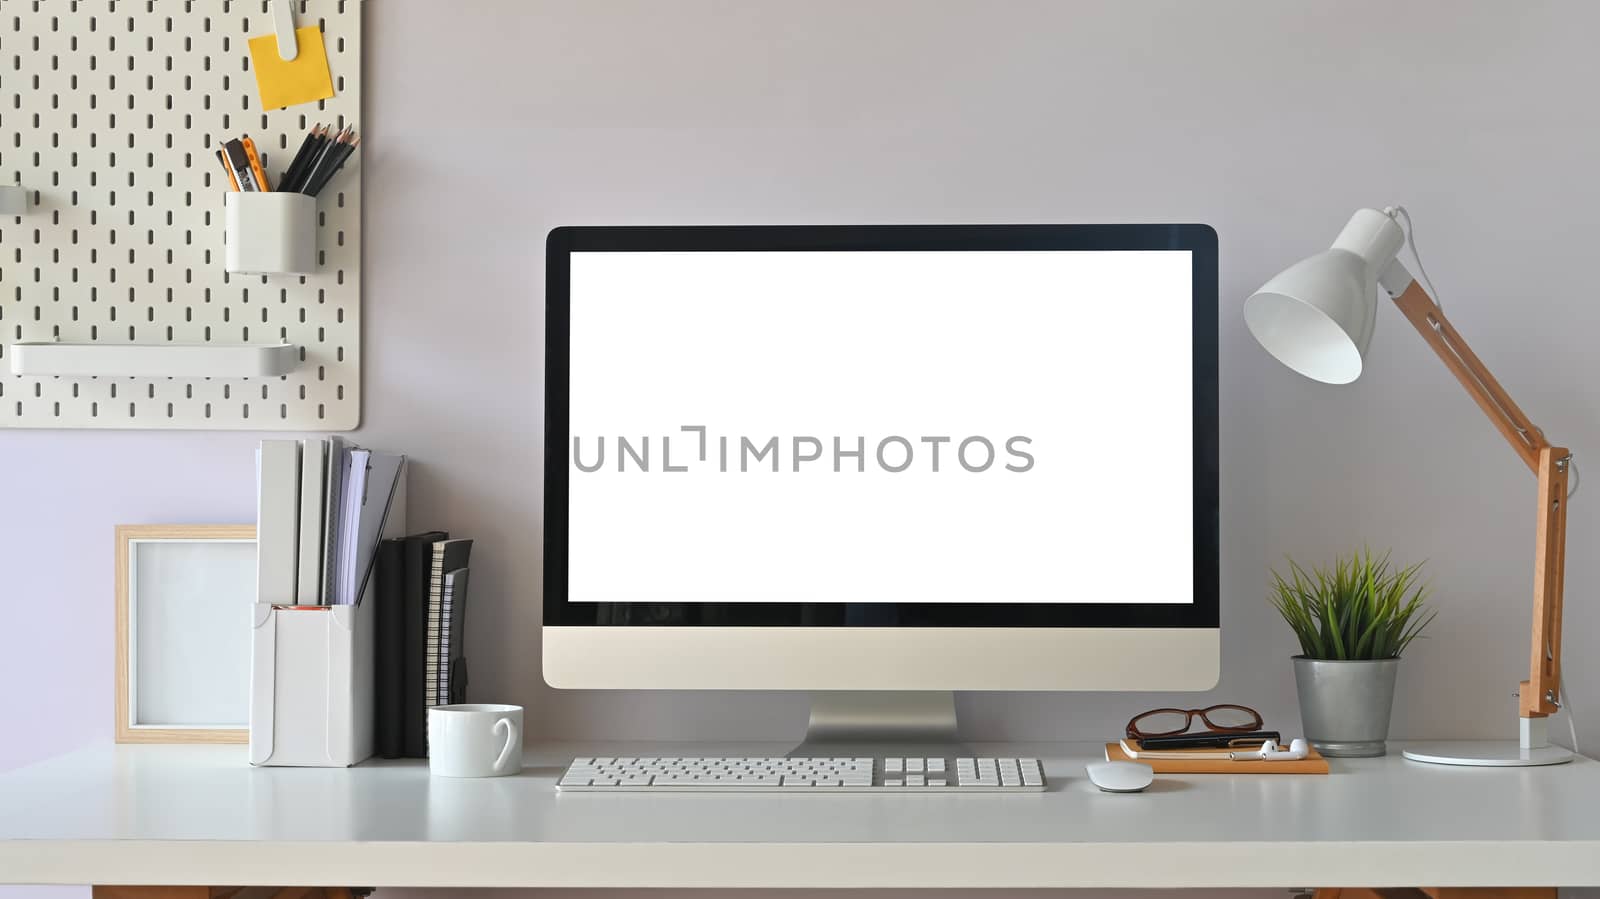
x,y
1086,354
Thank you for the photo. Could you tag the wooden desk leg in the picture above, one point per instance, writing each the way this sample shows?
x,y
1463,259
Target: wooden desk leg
x,y
151,893
1491,892
228,893
1440,893
1370,893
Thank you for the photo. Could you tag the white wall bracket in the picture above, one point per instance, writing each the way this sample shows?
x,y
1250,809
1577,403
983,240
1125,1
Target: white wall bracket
x,y
166,360
283,24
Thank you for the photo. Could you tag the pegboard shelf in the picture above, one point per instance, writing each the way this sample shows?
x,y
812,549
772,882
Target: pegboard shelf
x,y
166,360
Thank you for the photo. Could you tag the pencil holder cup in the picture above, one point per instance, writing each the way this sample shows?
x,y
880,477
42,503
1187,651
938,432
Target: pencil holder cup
x,y
270,232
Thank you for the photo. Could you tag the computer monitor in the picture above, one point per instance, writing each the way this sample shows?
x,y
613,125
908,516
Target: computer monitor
x,y
920,458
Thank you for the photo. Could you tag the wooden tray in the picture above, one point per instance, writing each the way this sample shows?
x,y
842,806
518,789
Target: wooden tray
x,y
1221,764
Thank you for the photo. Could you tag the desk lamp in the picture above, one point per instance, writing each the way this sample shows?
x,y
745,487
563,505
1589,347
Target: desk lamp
x,y
1317,318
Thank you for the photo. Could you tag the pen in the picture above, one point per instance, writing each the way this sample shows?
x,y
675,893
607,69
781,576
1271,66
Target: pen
x,y
227,171
255,163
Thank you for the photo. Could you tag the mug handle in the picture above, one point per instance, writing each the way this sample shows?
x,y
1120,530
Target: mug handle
x,y
513,738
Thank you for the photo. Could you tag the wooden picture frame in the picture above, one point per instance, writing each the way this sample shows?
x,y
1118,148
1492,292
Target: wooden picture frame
x,y
180,574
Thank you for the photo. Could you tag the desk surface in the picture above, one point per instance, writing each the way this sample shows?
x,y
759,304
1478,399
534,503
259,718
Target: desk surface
x,y
201,815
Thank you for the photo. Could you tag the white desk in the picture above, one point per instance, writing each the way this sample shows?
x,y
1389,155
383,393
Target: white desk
x,y
200,815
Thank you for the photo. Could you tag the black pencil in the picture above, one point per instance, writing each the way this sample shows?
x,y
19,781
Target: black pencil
x,y
317,149
343,153
319,173
315,166
289,174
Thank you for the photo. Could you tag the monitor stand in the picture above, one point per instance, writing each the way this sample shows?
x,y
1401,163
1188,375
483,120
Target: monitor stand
x,y
874,723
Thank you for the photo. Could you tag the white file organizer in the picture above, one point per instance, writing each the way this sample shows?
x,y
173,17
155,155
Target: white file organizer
x,y
312,675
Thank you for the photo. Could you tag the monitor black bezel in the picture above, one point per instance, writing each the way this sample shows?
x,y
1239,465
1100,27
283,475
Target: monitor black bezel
x,y
1199,240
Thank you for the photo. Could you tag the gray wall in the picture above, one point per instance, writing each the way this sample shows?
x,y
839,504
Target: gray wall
x,y
1271,121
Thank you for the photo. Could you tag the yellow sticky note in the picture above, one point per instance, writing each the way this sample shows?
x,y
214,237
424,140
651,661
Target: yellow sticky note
x,y
288,83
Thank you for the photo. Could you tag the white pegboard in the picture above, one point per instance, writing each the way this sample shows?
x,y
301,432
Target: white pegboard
x,y
110,113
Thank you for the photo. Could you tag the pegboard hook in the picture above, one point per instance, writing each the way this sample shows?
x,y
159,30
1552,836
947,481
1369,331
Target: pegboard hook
x,y
283,24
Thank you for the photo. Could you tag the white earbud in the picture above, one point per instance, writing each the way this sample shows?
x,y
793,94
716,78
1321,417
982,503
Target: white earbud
x,y
1272,752
1298,749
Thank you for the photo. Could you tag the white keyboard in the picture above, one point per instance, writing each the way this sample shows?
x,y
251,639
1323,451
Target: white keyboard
x,y
891,774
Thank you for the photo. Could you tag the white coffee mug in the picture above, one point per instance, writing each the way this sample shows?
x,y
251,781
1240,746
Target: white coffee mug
x,y
474,740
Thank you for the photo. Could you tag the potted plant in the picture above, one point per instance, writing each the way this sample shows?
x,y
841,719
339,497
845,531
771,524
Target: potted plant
x,y
1354,621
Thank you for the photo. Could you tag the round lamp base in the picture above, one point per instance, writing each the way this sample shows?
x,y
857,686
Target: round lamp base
x,y
1503,754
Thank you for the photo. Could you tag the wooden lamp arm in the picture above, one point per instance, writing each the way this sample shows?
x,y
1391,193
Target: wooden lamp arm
x,y
1539,696
1426,316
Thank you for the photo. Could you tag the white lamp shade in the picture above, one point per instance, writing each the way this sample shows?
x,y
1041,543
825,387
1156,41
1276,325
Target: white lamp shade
x,y
1317,315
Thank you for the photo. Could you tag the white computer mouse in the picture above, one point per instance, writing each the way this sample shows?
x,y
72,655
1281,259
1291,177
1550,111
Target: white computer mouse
x,y
1120,777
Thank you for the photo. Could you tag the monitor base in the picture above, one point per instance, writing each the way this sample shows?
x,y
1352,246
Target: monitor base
x,y
882,723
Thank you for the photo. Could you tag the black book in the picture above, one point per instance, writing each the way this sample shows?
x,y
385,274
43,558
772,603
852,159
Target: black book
x,y
414,719
389,698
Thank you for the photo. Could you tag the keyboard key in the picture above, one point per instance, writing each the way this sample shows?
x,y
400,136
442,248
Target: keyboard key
x,y
914,780
935,765
936,782
913,764
895,782
894,765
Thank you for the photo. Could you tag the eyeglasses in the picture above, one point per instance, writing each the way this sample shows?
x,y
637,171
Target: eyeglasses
x,y
1221,719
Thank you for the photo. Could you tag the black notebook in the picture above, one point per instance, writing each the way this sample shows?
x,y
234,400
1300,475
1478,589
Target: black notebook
x,y
414,718
389,702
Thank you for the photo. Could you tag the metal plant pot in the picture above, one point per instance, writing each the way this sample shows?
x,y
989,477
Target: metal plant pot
x,y
1345,706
